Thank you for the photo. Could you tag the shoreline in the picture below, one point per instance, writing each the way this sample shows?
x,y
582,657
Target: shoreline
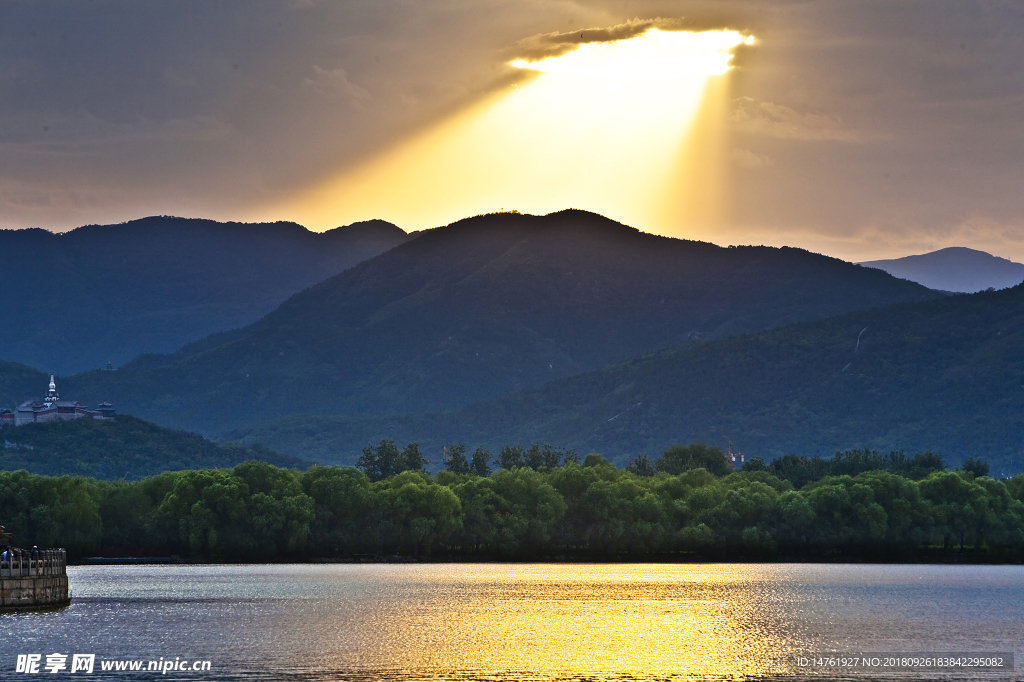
x,y
128,561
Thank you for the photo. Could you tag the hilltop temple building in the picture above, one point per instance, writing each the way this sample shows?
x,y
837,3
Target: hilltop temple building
x,y
52,408
735,460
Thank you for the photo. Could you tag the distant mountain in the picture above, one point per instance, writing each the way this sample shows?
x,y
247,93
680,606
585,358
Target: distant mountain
x,y
107,293
955,269
123,447
478,309
945,376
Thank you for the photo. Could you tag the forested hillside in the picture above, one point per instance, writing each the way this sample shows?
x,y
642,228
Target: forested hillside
x,y
19,383
106,293
945,376
477,309
123,447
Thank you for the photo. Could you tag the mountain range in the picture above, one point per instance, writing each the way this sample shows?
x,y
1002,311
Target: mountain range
x,y
956,269
569,328
480,308
106,293
945,376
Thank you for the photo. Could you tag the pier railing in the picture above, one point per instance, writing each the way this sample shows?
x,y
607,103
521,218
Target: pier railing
x,y
24,565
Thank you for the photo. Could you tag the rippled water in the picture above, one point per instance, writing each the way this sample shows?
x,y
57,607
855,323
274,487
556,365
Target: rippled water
x,y
520,621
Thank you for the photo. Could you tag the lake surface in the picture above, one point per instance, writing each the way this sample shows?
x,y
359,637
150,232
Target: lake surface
x,y
521,621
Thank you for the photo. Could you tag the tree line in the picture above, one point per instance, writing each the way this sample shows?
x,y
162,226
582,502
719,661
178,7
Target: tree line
x,y
533,503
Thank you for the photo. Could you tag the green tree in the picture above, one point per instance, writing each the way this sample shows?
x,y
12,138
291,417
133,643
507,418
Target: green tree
x,y
975,467
595,460
793,522
746,504
679,458
422,512
480,505
848,517
964,509
127,514
74,507
696,538
343,507
525,509
385,460
755,464
799,470
534,458
457,462
642,466
278,511
412,459
481,463
16,501
621,516
511,457
1015,486
208,509
922,465
379,462
954,504
906,513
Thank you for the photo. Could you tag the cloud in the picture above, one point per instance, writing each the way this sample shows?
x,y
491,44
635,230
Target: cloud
x,y
778,120
903,115
336,83
81,131
1001,238
18,195
744,158
1004,239
559,43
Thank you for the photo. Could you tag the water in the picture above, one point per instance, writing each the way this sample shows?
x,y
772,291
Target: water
x,y
521,621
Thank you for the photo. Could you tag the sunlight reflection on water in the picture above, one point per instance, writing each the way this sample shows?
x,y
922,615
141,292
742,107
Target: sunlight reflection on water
x,y
519,621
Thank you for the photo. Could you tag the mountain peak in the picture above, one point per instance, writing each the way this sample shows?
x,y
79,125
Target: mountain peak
x,y
956,268
366,227
488,305
156,283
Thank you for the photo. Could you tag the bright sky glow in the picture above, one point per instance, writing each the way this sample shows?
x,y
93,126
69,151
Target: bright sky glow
x,y
603,128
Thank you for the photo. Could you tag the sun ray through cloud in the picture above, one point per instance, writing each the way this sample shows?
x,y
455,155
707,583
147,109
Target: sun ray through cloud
x,y
602,127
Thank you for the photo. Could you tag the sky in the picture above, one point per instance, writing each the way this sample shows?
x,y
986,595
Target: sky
x,y
863,130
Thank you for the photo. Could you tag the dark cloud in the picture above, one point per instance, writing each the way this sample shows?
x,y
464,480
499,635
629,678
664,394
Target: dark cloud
x,y
559,43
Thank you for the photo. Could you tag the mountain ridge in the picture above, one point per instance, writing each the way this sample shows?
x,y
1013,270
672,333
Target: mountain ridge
x,y
956,269
478,308
106,293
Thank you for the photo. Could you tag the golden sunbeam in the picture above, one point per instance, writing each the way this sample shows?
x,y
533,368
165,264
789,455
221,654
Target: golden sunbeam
x,y
599,128
693,199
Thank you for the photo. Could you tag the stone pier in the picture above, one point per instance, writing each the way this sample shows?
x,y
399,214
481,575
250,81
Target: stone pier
x,y
28,582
